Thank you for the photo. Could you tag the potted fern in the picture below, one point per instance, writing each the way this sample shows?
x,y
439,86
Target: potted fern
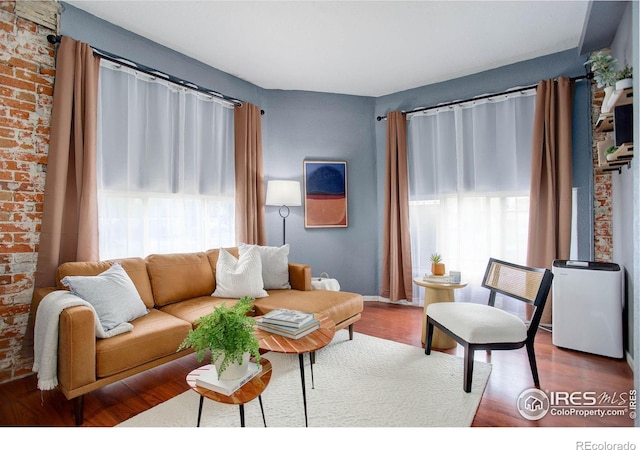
x,y
228,334
437,266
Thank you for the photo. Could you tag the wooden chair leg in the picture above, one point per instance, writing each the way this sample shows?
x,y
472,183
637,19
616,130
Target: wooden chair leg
x,y
351,332
78,409
427,345
532,363
468,368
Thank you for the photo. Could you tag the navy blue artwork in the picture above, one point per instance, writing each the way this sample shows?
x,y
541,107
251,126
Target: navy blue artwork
x,y
325,194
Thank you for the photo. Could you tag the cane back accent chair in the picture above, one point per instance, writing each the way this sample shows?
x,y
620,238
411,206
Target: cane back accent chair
x,y
487,327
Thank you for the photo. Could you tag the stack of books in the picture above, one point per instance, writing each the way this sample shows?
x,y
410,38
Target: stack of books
x,y
288,322
209,379
437,278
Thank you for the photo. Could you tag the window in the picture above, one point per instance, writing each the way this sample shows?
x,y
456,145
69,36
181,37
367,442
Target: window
x,y
165,167
469,172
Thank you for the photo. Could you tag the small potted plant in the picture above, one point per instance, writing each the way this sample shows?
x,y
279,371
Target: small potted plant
x,y
611,153
603,67
624,78
437,266
228,334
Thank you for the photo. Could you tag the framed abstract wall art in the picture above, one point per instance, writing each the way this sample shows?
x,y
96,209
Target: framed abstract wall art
x,y
325,194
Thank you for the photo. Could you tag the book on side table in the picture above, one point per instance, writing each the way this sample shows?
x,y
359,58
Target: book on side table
x,y
290,332
209,379
437,279
288,318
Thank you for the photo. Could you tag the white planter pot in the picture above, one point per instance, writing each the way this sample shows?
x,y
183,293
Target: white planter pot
x,y
233,370
623,84
608,92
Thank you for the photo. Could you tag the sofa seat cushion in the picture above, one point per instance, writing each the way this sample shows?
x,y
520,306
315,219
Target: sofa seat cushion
x,y
340,306
154,335
192,309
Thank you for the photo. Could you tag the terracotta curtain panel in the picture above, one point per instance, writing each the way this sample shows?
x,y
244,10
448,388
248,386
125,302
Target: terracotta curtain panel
x,y
396,257
70,212
551,179
250,221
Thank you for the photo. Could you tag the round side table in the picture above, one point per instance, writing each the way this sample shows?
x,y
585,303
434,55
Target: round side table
x,y
437,292
249,391
271,342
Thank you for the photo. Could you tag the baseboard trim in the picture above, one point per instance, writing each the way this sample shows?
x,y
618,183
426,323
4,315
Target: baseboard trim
x,y
629,359
377,298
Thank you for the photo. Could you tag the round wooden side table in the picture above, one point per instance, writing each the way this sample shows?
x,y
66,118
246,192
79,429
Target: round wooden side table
x,y
435,292
252,389
271,342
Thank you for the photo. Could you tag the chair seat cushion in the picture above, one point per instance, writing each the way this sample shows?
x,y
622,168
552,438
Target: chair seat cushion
x,y
478,324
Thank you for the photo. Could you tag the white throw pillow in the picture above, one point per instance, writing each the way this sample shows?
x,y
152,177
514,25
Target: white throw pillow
x,y
111,293
275,265
236,278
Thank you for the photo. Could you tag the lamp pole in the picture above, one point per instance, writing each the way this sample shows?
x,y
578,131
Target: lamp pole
x,y
284,213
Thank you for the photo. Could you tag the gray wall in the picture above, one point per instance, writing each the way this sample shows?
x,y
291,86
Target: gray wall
x,y
306,125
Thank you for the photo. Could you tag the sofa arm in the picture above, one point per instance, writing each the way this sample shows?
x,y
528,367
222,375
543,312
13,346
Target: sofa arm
x,y
300,276
76,348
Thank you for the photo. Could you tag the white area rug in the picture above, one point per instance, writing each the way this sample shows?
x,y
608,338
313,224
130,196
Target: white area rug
x,y
366,382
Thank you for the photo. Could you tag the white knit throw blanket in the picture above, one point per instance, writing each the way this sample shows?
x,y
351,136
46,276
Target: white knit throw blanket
x,y
45,345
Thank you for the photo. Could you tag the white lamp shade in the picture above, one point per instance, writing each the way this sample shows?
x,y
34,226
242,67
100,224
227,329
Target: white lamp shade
x,y
283,193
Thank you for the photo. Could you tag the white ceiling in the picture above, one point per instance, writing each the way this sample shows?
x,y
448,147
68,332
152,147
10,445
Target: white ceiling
x,y
369,48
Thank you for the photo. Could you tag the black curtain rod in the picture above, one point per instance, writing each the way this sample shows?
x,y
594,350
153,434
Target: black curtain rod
x,y
482,97
155,73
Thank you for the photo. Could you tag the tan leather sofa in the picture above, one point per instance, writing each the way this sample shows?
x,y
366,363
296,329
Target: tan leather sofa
x,y
177,290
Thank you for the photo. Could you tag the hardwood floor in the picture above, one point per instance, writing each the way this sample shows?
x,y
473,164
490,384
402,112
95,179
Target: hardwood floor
x,y
21,404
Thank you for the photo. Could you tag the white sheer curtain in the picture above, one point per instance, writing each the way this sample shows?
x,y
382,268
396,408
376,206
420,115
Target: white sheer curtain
x,y
469,186
165,167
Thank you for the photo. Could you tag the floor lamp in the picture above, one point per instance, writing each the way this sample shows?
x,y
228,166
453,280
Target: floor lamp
x,y
283,193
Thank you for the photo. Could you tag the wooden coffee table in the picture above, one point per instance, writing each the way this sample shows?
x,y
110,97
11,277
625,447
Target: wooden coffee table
x,y
252,389
306,344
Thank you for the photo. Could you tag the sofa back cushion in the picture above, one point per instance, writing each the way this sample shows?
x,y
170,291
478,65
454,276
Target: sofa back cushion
x,y
136,268
179,276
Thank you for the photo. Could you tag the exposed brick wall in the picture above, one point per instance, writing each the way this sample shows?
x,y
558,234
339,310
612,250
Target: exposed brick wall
x,y
602,189
26,88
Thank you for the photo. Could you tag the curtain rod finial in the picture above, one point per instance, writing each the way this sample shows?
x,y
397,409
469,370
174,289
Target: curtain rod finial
x,y
53,38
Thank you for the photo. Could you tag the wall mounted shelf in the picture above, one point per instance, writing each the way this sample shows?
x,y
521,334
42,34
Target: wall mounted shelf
x,y
606,123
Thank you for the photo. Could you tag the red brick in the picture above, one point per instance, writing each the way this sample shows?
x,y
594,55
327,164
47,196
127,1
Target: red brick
x,y
16,83
4,26
8,143
21,62
45,89
30,76
7,132
6,69
17,104
25,96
